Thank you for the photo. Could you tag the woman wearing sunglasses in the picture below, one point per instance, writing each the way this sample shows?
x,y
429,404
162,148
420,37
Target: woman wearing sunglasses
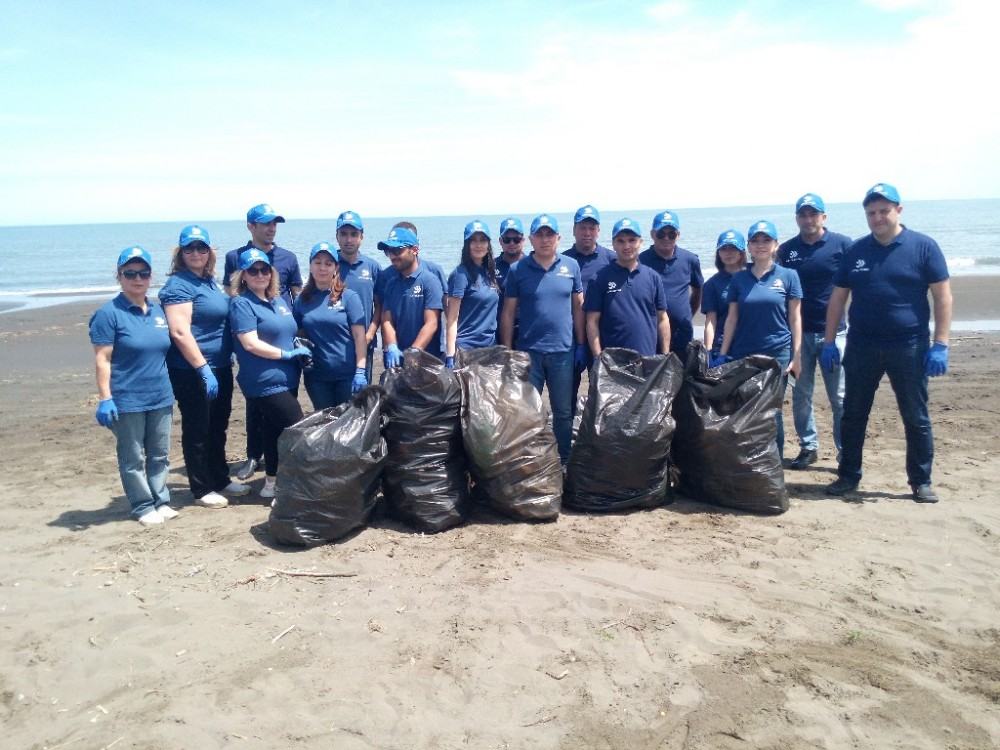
x,y
473,295
265,330
131,340
200,367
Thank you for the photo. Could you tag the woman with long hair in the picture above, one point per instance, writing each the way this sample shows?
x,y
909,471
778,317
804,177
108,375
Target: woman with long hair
x,y
473,295
730,259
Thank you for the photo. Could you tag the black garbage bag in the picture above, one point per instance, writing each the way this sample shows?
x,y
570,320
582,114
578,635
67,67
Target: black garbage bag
x,y
512,452
426,477
725,445
330,467
622,452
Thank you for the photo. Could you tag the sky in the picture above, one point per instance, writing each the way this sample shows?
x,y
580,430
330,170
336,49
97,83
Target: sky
x,y
192,111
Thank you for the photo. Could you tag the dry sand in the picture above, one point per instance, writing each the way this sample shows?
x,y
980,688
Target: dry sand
x,y
865,624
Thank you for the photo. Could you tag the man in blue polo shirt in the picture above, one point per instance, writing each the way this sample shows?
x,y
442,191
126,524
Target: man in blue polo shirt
x,y
411,309
262,222
680,273
546,290
887,275
815,254
360,273
625,305
511,251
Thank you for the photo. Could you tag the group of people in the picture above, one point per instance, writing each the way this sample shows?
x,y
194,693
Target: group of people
x,y
785,301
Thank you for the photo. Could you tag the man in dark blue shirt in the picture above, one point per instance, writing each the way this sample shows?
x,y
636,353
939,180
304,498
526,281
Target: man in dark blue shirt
x,y
887,275
511,251
360,272
815,254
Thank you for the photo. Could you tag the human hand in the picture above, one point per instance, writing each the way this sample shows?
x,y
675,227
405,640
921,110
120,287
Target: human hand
x,y
936,360
360,380
449,362
299,351
107,412
716,359
393,357
211,382
829,357
580,357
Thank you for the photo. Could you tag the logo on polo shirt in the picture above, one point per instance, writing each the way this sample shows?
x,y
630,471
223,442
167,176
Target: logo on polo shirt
x,y
283,310
859,265
365,274
417,290
793,255
563,271
612,286
160,322
777,284
338,305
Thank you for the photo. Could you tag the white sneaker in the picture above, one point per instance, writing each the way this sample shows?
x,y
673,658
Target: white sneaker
x,y
237,489
166,512
211,500
150,518
269,486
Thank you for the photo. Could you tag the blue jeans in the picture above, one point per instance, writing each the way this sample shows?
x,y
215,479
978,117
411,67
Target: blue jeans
x,y
143,447
864,365
556,371
327,393
802,393
783,358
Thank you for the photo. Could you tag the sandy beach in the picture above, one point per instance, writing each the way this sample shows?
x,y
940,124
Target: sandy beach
x,y
867,623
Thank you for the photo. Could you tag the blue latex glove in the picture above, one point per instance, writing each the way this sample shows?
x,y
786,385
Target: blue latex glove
x,y
360,380
580,357
299,351
211,382
449,362
107,413
715,359
829,357
393,357
936,360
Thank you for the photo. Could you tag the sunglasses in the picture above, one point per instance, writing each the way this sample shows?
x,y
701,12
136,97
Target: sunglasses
x,y
512,239
195,247
394,250
132,275
258,271
666,234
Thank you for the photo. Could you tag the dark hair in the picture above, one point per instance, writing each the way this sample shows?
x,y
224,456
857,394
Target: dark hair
x,y
407,225
336,288
489,264
718,259
177,262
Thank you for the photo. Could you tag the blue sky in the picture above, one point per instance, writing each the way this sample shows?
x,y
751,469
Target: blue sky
x,y
175,111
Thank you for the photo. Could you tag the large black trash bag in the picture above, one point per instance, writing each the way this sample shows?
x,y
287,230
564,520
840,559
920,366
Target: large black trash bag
x,y
512,453
622,454
725,445
426,477
330,467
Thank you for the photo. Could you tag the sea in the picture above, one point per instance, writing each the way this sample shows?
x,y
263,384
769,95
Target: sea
x,y
49,265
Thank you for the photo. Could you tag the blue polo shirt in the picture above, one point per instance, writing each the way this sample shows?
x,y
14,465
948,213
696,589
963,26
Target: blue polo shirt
x,y
477,313
678,275
361,276
140,341
275,325
329,328
889,286
209,318
406,298
283,261
545,303
715,298
816,265
628,302
503,269
591,265
387,274
762,327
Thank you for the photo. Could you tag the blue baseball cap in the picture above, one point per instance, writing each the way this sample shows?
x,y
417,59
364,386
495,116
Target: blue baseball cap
x,y
625,225
399,237
810,200
544,220
476,226
587,212
249,257
350,219
134,253
733,238
193,233
325,247
882,190
666,219
263,214
511,223
762,226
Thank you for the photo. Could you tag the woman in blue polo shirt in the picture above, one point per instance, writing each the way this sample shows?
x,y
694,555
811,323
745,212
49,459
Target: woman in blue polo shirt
x,y
765,302
264,330
473,295
730,259
200,366
131,340
332,317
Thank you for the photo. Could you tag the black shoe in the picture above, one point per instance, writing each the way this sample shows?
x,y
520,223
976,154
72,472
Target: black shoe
x,y
924,494
842,486
247,469
804,459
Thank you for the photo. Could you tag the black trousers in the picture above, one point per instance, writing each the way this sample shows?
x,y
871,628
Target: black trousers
x,y
277,411
203,428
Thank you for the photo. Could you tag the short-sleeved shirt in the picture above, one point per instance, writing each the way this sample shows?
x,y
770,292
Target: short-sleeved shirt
x,y
889,287
628,302
283,261
679,274
592,263
816,265
275,325
545,303
361,277
390,273
209,318
715,298
477,312
406,299
140,341
329,328
762,327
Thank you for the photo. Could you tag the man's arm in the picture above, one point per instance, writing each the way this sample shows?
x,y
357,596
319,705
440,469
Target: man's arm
x,y
835,312
941,294
428,330
578,322
507,318
663,331
593,325
695,300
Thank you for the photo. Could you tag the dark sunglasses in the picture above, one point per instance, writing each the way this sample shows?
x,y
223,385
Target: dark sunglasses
x,y
195,247
666,233
258,271
394,250
132,275
512,239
